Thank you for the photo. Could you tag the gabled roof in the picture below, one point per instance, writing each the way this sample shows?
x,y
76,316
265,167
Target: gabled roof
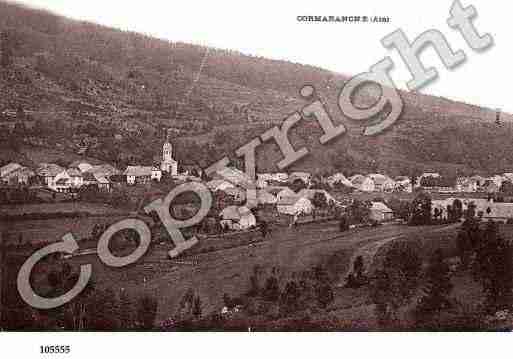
x,y
379,179
233,175
74,172
292,200
49,169
380,206
9,168
106,170
138,171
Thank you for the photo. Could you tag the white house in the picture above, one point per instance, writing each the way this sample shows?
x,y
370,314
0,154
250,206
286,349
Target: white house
x,y
156,174
338,178
76,177
310,194
237,218
264,197
138,174
381,182
362,183
380,212
219,185
51,173
21,175
4,170
294,205
285,192
403,183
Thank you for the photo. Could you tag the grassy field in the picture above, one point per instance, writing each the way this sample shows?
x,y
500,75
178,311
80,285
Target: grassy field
x,y
94,209
227,271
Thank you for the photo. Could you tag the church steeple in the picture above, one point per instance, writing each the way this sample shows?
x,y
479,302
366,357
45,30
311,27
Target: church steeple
x,y
168,163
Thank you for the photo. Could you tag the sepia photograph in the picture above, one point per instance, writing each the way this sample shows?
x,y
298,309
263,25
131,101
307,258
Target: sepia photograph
x,y
300,167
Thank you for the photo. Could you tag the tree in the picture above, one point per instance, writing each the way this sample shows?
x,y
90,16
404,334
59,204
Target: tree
x,y
272,288
421,209
319,200
494,268
396,282
438,287
359,211
146,312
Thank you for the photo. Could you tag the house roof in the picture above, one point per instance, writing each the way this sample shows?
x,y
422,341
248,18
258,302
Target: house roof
x,y
380,206
74,172
138,171
219,184
107,170
359,179
49,169
293,200
310,194
339,178
379,179
233,175
9,168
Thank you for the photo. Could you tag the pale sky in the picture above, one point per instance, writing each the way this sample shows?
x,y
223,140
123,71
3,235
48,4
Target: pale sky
x,y
270,29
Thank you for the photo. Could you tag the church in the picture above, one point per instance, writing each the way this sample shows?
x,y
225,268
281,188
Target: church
x,y
168,163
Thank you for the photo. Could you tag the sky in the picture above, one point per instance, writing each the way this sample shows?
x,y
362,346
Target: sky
x,y
270,29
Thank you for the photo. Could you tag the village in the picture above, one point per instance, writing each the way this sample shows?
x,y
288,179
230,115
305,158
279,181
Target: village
x,y
295,195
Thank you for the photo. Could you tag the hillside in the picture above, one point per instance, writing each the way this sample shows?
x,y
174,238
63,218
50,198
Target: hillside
x,y
117,92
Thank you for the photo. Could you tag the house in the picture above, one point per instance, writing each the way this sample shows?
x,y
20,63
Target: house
x,y
20,176
237,194
479,180
402,183
273,177
81,165
497,179
156,174
380,212
284,192
234,176
50,173
219,185
76,177
138,174
466,184
237,218
62,185
490,186
362,183
102,182
265,197
338,179
310,194
4,170
104,170
303,176
294,205
382,183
